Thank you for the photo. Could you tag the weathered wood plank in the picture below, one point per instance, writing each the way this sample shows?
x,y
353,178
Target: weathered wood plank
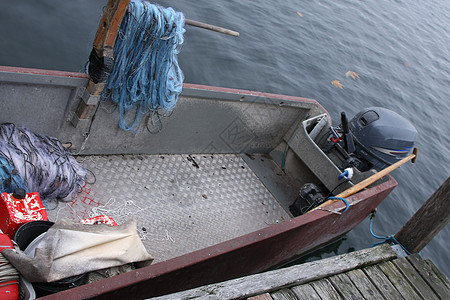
x,y
345,287
414,278
399,281
382,283
430,277
284,294
325,289
438,273
435,213
265,282
364,285
265,296
305,292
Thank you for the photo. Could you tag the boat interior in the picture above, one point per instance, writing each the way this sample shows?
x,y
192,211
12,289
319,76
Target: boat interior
x,y
223,164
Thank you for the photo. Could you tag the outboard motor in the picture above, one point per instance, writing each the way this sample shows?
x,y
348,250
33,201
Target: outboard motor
x,y
382,137
374,139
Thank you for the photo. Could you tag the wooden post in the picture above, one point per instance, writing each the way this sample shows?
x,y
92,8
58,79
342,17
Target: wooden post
x,y
101,58
427,221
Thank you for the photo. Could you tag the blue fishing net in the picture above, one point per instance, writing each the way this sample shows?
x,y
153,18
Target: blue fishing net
x,y
146,76
37,163
9,178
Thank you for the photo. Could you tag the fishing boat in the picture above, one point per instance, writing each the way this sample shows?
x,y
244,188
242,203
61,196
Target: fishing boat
x,y
230,184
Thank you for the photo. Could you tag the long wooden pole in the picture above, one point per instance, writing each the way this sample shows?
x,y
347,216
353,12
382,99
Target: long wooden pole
x,y
211,27
427,221
368,181
103,51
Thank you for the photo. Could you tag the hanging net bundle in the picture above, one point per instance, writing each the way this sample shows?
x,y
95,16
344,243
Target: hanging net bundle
x,y
146,76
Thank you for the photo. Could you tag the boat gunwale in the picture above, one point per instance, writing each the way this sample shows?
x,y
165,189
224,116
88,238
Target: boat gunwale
x,y
43,72
189,86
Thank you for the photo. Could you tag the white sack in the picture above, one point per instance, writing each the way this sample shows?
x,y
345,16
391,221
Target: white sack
x,y
70,248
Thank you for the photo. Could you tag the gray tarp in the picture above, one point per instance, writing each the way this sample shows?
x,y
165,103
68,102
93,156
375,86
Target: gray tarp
x,y
70,248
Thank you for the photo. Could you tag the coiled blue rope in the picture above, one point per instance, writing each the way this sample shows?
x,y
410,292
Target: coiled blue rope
x,y
390,239
146,76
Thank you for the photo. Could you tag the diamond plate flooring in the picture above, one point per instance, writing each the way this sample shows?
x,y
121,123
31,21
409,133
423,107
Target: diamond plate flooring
x,y
182,203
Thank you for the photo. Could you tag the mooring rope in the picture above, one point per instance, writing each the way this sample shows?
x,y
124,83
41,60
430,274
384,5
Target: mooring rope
x,y
390,239
146,76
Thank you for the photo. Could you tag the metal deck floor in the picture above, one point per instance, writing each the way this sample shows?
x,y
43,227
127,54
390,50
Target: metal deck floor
x,y
182,203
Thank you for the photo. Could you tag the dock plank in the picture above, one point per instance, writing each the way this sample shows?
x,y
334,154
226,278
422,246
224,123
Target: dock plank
x,y
299,274
382,283
438,273
399,281
429,276
305,292
345,287
364,285
325,289
374,273
414,278
284,294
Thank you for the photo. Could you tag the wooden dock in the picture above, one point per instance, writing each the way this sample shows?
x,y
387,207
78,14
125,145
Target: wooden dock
x,y
375,273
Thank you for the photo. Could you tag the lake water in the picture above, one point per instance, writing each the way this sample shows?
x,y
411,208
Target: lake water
x,y
399,48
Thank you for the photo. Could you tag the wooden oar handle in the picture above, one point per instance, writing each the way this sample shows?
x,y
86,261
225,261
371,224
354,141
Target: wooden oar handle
x,y
368,181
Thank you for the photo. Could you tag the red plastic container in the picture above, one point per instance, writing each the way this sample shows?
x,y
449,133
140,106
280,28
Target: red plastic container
x,y
19,208
10,289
